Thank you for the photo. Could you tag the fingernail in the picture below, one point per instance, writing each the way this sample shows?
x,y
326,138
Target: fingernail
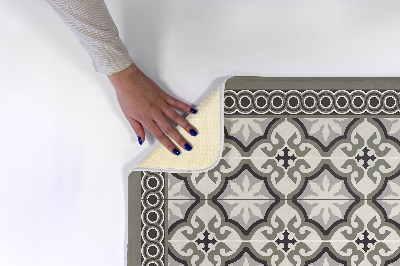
x,y
193,110
187,147
140,140
192,132
175,150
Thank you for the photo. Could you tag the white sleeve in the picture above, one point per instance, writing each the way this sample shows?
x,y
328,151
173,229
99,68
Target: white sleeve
x,y
92,23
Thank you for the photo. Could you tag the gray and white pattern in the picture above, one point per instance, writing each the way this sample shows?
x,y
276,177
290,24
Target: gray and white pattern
x,y
95,29
300,189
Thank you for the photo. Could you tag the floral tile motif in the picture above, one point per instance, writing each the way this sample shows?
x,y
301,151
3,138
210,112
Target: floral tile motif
x,y
312,184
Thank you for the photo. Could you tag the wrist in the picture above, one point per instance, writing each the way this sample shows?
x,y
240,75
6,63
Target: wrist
x,y
120,77
132,69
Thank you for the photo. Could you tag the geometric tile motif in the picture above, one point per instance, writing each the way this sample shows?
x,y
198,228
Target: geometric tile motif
x,y
152,218
311,102
314,190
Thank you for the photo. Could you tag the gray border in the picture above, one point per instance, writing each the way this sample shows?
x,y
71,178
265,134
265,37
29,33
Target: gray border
x,y
311,83
134,219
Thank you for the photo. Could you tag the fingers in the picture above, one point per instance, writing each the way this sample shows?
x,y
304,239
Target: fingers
x,y
160,135
138,128
179,104
178,119
173,132
157,128
161,128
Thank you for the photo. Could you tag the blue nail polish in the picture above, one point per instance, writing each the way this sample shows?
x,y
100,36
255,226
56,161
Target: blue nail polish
x,y
193,110
187,147
140,140
192,132
175,150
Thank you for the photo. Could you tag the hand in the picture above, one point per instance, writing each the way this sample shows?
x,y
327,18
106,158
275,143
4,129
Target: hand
x,y
144,103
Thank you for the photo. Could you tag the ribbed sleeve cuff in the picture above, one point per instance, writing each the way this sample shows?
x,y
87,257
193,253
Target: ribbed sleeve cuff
x,y
110,59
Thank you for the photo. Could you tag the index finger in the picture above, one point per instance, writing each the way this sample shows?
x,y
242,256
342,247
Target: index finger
x,y
180,105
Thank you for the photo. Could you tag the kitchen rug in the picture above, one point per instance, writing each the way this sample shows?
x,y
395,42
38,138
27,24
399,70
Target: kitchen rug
x,y
283,171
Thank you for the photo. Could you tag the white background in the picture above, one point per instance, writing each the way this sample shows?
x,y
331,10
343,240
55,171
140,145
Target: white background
x,y
65,147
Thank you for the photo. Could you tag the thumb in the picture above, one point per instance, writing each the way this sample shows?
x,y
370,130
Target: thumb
x,y
138,128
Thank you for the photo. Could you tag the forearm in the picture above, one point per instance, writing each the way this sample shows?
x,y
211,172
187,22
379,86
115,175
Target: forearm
x,y
95,29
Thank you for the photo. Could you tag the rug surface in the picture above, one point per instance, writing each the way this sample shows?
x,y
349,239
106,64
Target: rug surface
x,y
308,174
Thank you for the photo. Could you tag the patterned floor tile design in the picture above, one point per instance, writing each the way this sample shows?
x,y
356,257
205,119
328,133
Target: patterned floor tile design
x,y
305,178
